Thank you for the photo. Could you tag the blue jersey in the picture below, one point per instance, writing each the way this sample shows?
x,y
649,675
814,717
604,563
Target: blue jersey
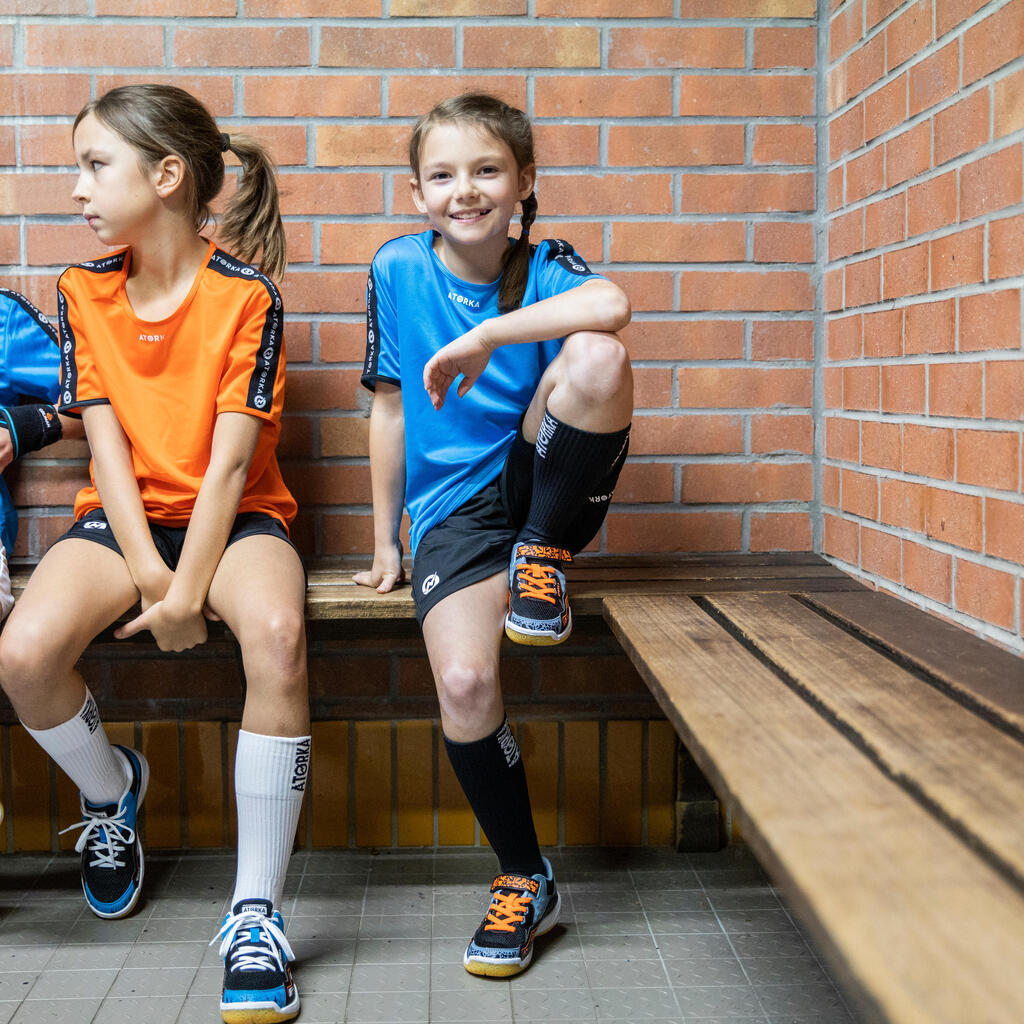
x,y
415,306
29,368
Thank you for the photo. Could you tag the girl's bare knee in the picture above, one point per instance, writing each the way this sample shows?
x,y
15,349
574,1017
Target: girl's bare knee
x,y
274,650
598,365
464,691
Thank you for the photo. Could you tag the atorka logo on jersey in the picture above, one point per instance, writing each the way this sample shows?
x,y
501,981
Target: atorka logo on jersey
x,y
152,337
463,301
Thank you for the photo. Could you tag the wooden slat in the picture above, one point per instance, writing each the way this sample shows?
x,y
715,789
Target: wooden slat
x,y
414,799
961,764
373,784
661,777
581,758
204,763
330,784
976,670
923,930
538,742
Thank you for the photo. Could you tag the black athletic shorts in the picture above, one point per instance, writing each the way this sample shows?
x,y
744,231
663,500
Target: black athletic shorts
x,y
169,540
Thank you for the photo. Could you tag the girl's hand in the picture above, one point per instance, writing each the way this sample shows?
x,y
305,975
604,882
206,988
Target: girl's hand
x,y
386,572
154,587
174,628
467,355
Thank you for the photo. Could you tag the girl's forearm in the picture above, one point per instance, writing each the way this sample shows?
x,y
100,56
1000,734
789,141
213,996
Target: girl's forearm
x,y
387,464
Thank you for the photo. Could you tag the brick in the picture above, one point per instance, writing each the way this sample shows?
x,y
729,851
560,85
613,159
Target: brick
x,y
880,553
842,539
70,46
991,182
953,517
683,531
909,34
865,174
935,78
172,8
7,144
587,237
986,593
884,221
342,343
361,145
45,145
962,127
652,387
215,92
928,451
743,387
830,486
845,29
1008,104
1004,390
286,143
312,95
412,95
10,244
687,339
60,244
951,13
299,237
955,389
763,192
647,289
772,95
317,483
780,531
932,204
860,494
905,271
690,435
908,154
729,482
1006,247
304,193
39,289
673,145
863,283
690,47
614,194
837,87
567,145
783,144
993,42
37,193
783,242
988,458
784,47
930,327
958,259
747,9
846,132
846,234
990,320
392,47
350,534
646,482
865,66
782,339
299,339
59,7
356,243
46,485
590,96
836,186
447,9
555,46
885,108
654,241
903,504
214,47
834,285
860,387
345,436
842,439
602,9
774,435
770,291
927,572
325,292
846,337
1004,529
883,332
903,388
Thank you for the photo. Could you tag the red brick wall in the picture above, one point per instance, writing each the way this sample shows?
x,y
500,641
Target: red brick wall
x,y
677,149
923,371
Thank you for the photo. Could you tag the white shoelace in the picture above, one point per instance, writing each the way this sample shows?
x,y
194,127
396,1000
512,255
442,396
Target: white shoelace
x,y
248,956
107,837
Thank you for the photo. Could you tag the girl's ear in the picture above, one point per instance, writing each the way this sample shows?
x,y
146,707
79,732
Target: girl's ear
x,y
527,179
417,195
168,175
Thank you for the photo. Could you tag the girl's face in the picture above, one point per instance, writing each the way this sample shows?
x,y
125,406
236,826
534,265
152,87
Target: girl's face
x,y
118,194
469,184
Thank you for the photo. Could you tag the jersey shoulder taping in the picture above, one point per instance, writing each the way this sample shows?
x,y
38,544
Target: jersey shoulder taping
x,y
557,250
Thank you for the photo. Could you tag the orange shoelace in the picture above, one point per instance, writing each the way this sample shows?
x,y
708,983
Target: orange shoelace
x,y
506,911
537,581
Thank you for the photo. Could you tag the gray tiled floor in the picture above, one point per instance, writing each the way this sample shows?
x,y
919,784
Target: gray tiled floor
x,y
646,935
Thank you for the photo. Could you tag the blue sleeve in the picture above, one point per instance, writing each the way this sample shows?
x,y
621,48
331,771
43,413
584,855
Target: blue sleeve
x,y
31,352
381,362
557,268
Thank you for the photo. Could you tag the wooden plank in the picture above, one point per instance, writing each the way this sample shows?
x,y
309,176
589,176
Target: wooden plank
x,y
330,784
373,784
162,807
204,763
622,809
661,778
581,760
414,796
960,764
974,669
922,929
538,742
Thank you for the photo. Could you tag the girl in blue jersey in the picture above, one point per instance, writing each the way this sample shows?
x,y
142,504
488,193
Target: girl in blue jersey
x,y
506,478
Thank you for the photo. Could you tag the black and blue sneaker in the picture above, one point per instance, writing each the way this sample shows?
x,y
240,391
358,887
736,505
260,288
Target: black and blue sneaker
x,y
112,864
258,985
522,907
538,606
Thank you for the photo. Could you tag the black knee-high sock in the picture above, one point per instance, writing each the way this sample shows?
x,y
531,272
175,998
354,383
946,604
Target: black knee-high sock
x,y
568,465
491,774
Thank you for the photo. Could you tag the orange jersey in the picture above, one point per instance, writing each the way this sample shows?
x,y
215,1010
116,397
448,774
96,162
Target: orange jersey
x,y
167,380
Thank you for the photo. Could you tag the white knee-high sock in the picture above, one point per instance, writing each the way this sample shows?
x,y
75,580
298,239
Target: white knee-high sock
x,y
81,748
270,781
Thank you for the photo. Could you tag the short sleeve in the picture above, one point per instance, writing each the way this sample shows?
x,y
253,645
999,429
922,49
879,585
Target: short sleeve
x,y
80,381
253,378
382,360
559,268
31,351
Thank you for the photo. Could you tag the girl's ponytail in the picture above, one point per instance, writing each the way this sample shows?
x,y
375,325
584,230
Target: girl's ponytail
x,y
251,223
517,262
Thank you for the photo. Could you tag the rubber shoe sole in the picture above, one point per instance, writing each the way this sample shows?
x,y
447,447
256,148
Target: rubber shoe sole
x,y
538,638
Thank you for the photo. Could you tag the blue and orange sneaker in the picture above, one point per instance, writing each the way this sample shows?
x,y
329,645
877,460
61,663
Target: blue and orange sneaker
x,y
538,606
112,862
522,907
258,985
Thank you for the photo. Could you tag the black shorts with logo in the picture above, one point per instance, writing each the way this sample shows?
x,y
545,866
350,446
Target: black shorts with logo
x,y
169,540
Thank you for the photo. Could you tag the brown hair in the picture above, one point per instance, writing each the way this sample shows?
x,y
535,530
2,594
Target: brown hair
x,y
511,126
160,120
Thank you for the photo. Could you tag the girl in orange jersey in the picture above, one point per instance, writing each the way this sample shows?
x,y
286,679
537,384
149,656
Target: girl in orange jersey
x,y
172,354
